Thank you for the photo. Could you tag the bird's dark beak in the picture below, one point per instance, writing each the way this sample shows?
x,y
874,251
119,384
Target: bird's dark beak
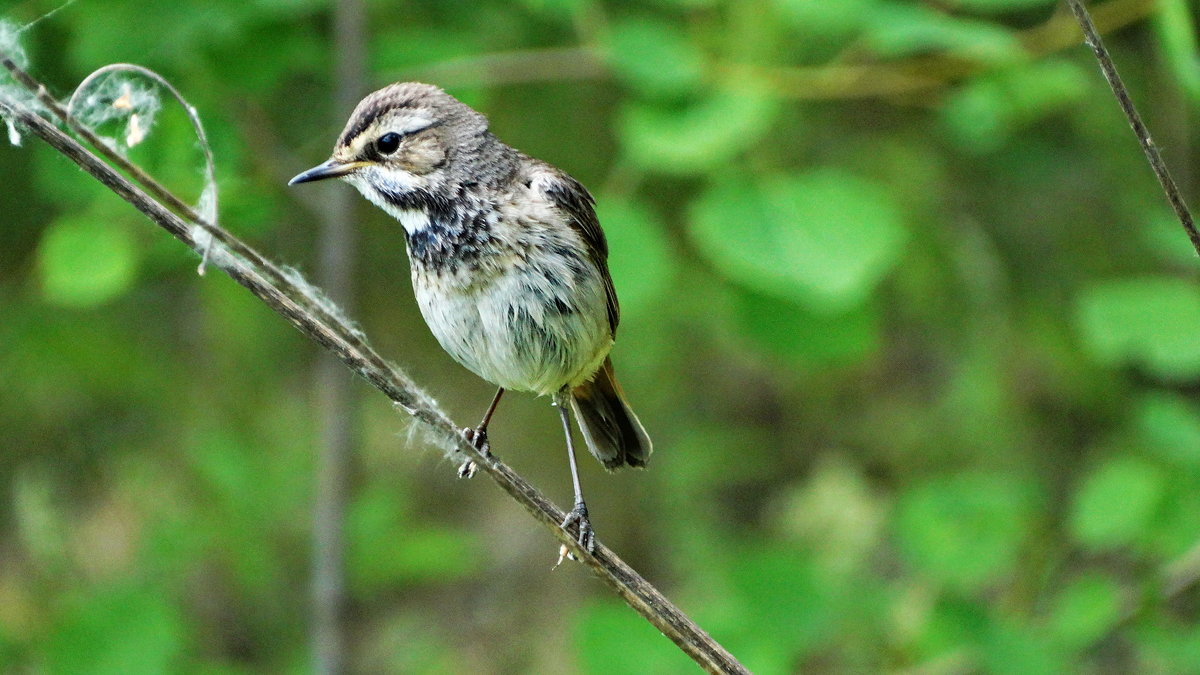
x,y
330,169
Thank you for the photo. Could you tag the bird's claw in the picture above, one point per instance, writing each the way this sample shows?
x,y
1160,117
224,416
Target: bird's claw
x,y
585,535
477,438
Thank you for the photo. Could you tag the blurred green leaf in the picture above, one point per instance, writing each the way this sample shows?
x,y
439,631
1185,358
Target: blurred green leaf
x,y
1167,646
641,258
1116,503
999,6
699,137
815,338
823,238
954,626
122,631
654,56
559,9
784,619
1085,610
1150,322
611,640
1165,237
385,548
1012,648
821,19
409,46
1176,28
983,114
84,260
901,29
1169,425
965,530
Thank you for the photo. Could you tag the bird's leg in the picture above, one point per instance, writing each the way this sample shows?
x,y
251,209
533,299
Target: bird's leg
x,y
578,516
478,437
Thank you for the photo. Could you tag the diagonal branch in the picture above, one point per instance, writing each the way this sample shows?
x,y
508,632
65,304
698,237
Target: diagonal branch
x,y
285,294
1092,37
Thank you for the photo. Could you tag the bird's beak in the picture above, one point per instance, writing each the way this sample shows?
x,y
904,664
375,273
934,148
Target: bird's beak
x,y
330,169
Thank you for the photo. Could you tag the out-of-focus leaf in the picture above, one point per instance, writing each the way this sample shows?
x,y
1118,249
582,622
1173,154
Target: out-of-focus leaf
x,y
1085,610
641,260
965,530
1151,322
611,640
123,631
407,46
823,238
795,332
800,613
1164,236
1012,648
1170,426
698,137
188,26
1001,6
1174,646
984,113
900,29
85,261
954,624
269,55
1176,29
654,56
1116,503
385,549
821,19
558,9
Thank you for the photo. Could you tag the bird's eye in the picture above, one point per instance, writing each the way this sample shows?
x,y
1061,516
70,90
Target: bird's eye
x,y
388,143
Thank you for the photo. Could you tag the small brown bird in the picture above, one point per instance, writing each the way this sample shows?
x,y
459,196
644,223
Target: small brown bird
x,y
509,264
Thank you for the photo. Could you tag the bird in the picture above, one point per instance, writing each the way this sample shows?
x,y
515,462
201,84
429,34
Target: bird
x,y
508,261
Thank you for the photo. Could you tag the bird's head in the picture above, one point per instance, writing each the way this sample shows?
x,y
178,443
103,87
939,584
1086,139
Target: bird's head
x,y
405,144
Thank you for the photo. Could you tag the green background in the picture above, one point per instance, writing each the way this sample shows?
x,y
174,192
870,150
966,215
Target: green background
x,y
910,322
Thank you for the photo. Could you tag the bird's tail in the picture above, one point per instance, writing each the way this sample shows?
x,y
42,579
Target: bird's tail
x,y
613,433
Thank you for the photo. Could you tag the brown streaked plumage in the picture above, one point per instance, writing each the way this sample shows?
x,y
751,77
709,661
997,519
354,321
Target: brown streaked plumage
x,y
509,264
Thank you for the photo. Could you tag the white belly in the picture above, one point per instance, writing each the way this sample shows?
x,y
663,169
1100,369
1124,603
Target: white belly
x,y
533,329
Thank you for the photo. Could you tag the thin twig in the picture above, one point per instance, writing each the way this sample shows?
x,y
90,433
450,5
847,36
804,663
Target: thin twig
x,y
267,283
1092,38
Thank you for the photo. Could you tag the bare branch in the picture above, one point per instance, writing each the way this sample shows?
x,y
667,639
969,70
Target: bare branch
x,y
1092,38
299,306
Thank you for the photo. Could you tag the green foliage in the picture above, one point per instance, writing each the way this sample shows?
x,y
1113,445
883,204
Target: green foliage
x,y
901,29
119,630
1117,503
984,114
638,241
841,232
85,261
1086,610
612,640
1145,322
696,137
965,531
1177,37
655,57
913,330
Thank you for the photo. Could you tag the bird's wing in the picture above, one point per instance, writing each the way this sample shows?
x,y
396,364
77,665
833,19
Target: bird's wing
x,y
577,204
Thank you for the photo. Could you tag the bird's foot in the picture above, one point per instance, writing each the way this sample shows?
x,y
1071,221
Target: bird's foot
x,y
584,534
478,438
